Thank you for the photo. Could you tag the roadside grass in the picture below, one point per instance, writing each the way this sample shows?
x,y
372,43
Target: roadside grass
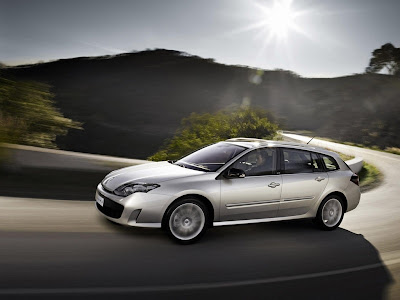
x,y
370,177
393,150
278,137
343,156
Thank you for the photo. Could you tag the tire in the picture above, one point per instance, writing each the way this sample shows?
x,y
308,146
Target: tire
x,y
330,213
186,220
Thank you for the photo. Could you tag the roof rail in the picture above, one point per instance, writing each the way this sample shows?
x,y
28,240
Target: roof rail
x,y
282,143
243,139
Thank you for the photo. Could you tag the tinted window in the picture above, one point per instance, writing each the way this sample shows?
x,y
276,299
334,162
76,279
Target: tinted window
x,y
330,163
317,165
210,158
298,161
257,162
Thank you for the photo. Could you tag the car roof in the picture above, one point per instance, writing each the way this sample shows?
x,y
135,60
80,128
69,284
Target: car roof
x,y
260,143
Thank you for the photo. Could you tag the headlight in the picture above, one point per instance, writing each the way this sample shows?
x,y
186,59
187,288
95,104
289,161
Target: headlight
x,y
130,188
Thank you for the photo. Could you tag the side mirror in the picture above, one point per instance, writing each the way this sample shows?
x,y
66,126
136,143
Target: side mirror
x,y
235,173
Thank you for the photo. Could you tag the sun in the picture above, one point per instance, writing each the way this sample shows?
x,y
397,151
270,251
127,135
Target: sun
x,y
280,18
274,20
275,25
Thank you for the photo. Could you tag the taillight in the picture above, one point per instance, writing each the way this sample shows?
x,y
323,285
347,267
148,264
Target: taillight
x,y
355,179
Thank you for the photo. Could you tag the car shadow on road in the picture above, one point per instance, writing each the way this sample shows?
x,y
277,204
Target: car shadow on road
x,y
284,260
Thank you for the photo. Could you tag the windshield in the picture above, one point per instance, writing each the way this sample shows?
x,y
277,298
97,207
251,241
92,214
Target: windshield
x,y
210,158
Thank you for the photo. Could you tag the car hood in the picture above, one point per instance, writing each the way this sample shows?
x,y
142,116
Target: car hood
x,y
146,173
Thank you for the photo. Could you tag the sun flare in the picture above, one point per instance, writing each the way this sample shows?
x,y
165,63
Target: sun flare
x,y
274,20
280,18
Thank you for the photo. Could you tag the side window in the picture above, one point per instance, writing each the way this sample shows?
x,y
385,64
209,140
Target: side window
x,y
299,161
317,165
258,162
330,163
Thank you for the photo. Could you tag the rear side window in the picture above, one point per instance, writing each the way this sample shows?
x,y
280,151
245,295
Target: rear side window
x,y
316,162
330,163
299,161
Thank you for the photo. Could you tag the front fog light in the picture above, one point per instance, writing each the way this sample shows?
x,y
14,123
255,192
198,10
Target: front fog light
x,y
134,215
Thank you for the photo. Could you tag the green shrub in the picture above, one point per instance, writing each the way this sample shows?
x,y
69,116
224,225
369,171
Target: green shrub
x,y
199,130
369,175
28,115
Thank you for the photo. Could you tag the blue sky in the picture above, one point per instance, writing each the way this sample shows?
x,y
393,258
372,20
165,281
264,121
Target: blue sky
x,y
325,38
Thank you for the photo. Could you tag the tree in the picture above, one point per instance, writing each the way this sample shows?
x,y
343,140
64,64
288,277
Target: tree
x,y
388,56
28,115
199,130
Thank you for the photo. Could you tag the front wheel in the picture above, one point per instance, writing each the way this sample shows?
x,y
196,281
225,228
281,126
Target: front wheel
x,y
186,220
330,213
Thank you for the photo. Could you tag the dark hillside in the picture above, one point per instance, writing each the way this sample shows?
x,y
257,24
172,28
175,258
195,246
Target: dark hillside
x,y
131,103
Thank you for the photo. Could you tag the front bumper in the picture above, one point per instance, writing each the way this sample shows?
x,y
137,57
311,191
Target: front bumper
x,y
138,209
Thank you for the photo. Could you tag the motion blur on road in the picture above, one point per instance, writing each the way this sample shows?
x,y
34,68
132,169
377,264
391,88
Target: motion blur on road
x,y
62,248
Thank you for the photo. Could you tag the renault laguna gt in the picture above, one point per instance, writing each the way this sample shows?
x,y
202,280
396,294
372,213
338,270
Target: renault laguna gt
x,y
237,181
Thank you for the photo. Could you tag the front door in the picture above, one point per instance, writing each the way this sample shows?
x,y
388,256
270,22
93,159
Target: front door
x,y
258,194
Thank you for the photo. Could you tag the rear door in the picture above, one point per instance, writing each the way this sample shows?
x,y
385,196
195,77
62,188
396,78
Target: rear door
x,y
303,181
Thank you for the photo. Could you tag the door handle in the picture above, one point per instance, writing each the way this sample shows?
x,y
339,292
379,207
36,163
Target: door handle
x,y
319,178
274,184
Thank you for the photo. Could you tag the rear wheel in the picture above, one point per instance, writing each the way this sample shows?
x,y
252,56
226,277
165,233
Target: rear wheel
x,y
186,220
330,213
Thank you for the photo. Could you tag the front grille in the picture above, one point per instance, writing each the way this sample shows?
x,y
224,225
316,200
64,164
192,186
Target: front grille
x,y
110,208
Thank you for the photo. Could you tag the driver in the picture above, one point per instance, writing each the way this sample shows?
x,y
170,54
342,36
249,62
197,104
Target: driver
x,y
263,163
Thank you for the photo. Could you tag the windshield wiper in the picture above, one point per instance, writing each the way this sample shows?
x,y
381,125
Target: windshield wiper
x,y
179,164
197,166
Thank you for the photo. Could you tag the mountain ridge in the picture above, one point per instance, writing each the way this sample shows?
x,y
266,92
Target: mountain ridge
x,y
130,103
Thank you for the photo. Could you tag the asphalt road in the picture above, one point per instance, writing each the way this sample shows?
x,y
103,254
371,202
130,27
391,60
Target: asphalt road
x,y
64,249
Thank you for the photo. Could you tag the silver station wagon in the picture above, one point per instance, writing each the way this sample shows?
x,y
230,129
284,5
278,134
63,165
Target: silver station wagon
x,y
238,181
